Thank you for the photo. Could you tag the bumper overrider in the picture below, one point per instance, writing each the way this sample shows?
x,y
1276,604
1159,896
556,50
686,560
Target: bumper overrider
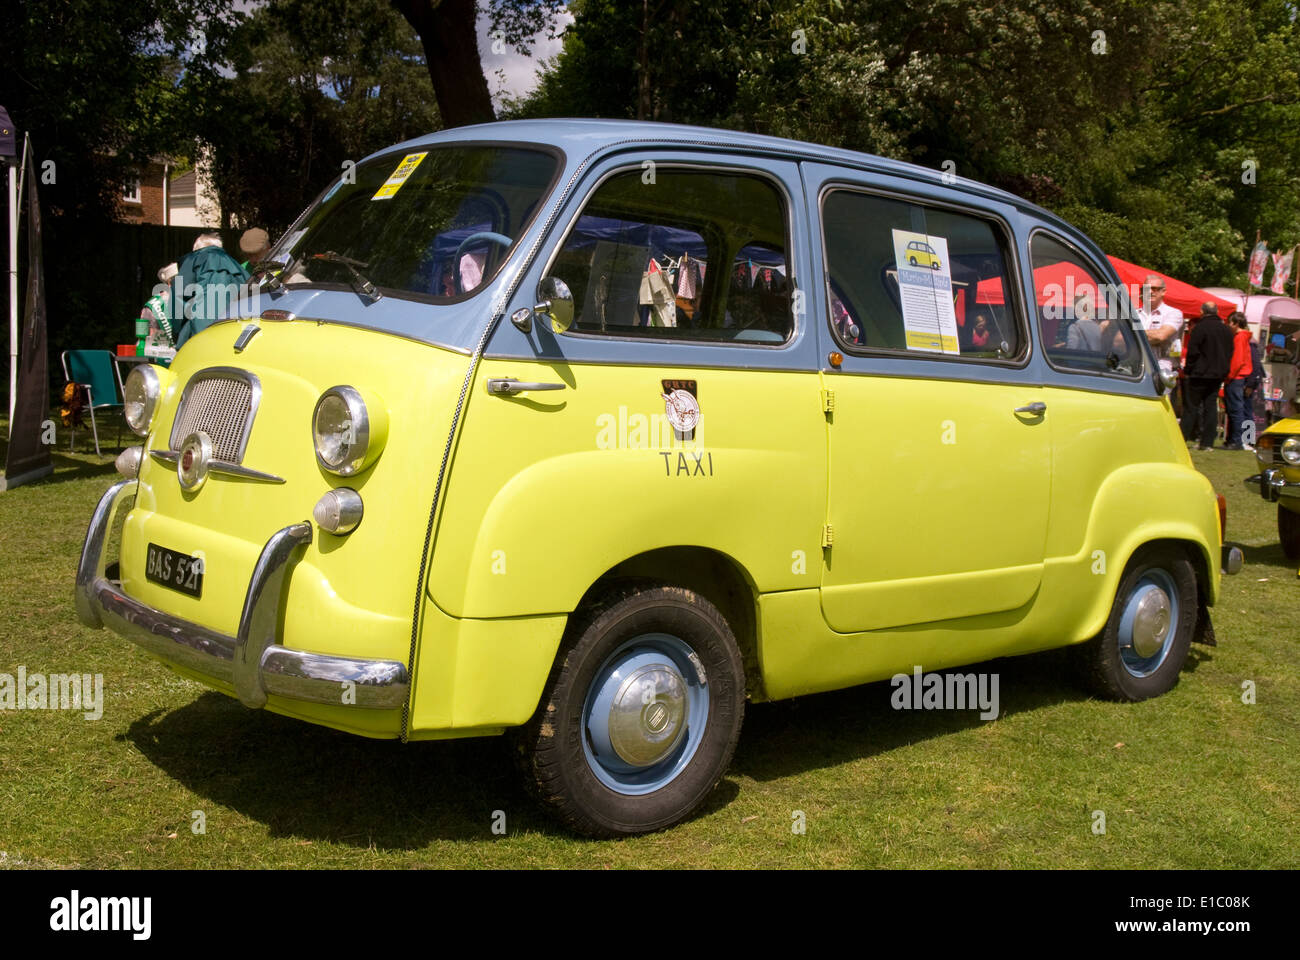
x,y
1273,486
252,661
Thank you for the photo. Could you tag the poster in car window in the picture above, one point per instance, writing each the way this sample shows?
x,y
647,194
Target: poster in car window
x,y
925,291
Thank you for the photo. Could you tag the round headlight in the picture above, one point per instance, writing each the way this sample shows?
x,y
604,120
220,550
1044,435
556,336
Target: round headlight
x,y
348,438
140,396
1291,450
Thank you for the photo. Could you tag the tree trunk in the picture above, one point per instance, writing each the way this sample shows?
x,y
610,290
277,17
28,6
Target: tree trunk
x,y
447,31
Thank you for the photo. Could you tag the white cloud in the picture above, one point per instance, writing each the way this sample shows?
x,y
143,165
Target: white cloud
x,y
508,73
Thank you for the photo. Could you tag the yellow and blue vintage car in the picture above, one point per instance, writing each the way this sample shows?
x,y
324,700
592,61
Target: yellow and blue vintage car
x,y
1278,453
589,432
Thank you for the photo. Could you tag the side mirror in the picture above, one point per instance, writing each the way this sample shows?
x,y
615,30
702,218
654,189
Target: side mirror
x,y
555,301
1166,376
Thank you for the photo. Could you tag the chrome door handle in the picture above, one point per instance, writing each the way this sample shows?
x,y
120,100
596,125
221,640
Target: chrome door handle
x,y
509,386
1035,409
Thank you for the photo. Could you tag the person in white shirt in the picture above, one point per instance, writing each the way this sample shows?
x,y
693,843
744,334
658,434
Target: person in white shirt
x,y
1163,324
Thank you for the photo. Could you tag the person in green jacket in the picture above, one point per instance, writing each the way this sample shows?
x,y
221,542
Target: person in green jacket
x,y
206,288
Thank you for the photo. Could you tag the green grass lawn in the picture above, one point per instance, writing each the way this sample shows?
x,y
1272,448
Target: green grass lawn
x,y
1193,779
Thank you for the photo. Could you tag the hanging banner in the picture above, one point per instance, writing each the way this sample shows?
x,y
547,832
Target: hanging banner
x,y
31,433
1282,271
1258,260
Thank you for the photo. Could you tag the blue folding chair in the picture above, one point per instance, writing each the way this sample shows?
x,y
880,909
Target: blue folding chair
x,y
98,373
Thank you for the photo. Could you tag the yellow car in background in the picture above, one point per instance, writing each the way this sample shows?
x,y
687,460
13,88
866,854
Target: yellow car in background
x,y
1278,453
591,432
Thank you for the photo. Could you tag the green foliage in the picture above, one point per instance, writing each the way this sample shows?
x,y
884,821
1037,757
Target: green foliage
x,y
311,84
1138,132
94,83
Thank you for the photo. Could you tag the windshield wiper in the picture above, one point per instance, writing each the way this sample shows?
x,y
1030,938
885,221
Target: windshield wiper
x,y
271,272
359,283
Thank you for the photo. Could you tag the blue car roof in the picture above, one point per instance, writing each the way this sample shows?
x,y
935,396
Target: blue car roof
x,y
579,137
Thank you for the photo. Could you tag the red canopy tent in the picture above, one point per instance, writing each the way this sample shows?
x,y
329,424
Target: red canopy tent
x,y
1053,284
1184,296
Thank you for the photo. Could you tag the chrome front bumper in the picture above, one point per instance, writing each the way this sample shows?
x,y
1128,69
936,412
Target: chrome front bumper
x,y
1272,486
252,661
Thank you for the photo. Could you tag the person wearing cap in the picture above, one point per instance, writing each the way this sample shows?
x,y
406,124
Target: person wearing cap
x,y
1209,357
255,244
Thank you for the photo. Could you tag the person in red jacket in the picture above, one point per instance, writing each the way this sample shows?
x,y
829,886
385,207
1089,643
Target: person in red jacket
x,y
1234,389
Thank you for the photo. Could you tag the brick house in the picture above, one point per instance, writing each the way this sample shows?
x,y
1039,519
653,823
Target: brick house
x,y
158,195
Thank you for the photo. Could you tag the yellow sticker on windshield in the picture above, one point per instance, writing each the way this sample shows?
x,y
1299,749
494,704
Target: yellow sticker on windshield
x,y
404,170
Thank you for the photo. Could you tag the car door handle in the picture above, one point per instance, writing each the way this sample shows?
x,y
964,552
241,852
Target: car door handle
x,y
1035,409
509,386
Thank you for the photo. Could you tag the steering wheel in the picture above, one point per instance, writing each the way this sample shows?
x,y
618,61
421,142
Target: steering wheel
x,y
500,238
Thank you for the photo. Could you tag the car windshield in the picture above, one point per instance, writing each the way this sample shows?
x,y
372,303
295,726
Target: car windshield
x,y
432,224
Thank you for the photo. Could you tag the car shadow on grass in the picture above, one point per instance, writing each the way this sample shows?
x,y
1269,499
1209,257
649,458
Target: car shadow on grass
x,y
791,737
1269,556
313,783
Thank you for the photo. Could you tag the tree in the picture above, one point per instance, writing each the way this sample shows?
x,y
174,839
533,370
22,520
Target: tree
x,y
447,30
1136,120
316,84
94,83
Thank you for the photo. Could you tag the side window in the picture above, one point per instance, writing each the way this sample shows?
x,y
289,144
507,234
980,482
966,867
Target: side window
x,y
696,255
1083,318
917,279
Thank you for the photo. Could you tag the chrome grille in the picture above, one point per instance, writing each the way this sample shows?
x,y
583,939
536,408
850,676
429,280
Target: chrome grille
x,y
221,404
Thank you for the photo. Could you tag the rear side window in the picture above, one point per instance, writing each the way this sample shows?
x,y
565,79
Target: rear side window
x,y
1083,318
919,280
693,255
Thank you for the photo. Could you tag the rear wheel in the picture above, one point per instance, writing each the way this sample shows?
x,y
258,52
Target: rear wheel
x,y
641,714
1288,531
1144,644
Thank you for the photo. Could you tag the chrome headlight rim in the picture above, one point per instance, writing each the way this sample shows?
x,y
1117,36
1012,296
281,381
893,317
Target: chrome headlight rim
x,y
356,450
145,375
1291,451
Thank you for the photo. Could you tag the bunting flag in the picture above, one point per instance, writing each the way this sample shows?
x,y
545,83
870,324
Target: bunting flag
x,y
1282,271
1258,260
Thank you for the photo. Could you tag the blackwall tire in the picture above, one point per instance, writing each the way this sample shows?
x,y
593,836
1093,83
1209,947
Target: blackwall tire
x,y
641,713
1144,644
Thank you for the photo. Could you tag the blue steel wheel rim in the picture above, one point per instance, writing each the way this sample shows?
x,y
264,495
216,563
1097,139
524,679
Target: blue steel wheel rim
x,y
1141,651
645,714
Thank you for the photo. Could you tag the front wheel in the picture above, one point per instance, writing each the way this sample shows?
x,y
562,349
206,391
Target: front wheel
x,y
641,714
1144,644
1288,531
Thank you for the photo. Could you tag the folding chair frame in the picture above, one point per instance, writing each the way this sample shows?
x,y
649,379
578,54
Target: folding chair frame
x,y
90,397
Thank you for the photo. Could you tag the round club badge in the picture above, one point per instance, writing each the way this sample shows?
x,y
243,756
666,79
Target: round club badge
x,y
682,410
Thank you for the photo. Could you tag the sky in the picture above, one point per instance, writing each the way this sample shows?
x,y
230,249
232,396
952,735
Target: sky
x,y
509,74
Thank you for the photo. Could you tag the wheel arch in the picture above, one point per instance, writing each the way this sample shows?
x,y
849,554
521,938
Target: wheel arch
x,y
714,575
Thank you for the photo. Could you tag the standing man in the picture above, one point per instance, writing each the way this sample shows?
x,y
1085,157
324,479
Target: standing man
x,y
1209,357
1239,371
1163,326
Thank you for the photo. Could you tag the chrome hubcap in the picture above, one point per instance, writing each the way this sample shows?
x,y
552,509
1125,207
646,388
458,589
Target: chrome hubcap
x,y
1149,623
645,714
648,714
